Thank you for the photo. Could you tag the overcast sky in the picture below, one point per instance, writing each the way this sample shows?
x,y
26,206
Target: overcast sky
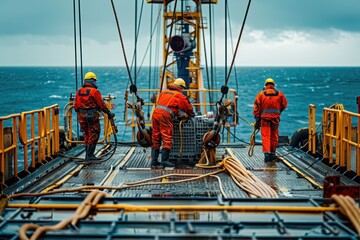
x,y
277,32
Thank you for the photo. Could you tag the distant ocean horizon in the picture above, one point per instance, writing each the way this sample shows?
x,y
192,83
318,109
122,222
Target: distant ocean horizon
x,y
29,88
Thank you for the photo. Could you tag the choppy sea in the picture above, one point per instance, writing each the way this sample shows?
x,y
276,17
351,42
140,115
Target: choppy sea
x,y
30,88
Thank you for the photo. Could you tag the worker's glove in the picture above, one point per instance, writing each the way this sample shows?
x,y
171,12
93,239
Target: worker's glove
x,y
183,117
115,128
257,123
110,115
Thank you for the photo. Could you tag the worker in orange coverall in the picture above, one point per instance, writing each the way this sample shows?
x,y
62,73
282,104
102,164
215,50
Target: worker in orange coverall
x,y
88,103
268,105
170,102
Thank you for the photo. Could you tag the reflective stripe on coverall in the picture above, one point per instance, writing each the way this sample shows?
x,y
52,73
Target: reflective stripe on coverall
x,y
268,106
162,120
88,102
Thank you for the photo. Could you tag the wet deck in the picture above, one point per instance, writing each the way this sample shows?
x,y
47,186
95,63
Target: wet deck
x,y
296,175
195,209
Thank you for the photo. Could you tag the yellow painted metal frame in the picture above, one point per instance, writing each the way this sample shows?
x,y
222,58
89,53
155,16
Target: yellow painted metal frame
x,y
13,148
312,129
42,137
194,19
150,208
340,138
168,1
107,129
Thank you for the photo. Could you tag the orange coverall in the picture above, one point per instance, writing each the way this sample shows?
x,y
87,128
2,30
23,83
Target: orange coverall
x,y
268,106
88,103
170,102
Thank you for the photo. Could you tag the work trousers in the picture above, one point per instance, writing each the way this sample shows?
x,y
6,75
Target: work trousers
x,y
90,127
162,129
269,134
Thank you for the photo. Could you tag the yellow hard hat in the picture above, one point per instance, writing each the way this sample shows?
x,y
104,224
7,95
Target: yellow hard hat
x,y
269,80
180,82
90,75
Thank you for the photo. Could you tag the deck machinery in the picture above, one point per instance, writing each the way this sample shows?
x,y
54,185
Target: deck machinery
x,y
123,198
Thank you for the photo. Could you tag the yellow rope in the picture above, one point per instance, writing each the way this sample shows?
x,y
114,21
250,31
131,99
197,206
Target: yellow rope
x,y
82,212
349,208
252,142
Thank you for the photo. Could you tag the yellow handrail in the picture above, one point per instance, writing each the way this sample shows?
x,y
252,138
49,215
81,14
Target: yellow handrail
x,y
41,134
108,131
11,148
341,140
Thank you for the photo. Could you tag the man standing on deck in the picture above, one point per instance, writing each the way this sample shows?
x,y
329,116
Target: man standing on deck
x,y
170,102
88,103
268,105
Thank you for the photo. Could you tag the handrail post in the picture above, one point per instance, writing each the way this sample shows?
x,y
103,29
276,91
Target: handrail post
x,y
341,146
312,129
325,150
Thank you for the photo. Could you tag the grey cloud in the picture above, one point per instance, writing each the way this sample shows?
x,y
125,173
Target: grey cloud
x,y
305,14
55,17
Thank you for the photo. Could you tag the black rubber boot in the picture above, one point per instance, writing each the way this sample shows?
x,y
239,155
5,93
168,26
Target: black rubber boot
x,y
154,158
91,155
273,157
165,158
267,158
86,151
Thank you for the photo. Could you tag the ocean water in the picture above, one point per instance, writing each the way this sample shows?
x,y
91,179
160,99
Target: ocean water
x,y
29,88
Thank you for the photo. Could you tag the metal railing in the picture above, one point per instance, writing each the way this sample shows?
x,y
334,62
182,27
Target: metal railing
x,y
68,119
340,139
35,132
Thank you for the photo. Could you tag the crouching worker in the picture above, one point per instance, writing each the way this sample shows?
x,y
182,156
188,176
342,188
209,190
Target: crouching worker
x,y
88,103
170,102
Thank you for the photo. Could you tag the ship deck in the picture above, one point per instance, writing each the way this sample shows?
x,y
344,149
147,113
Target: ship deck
x,y
294,174
158,209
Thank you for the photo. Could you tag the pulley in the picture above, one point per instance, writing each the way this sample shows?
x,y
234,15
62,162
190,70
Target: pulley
x,y
211,139
144,138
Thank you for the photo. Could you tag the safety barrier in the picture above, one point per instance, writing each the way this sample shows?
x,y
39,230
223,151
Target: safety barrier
x,y
107,128
341,140
201,106
35,132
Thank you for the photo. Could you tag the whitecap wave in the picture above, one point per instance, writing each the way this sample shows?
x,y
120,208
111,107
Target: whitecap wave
x,y
318,87
302,121
55,96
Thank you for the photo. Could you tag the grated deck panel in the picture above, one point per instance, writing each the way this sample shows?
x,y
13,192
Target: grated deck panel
x,y
132,163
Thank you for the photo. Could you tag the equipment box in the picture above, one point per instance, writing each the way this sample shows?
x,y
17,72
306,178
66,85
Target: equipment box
x,y
187,140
